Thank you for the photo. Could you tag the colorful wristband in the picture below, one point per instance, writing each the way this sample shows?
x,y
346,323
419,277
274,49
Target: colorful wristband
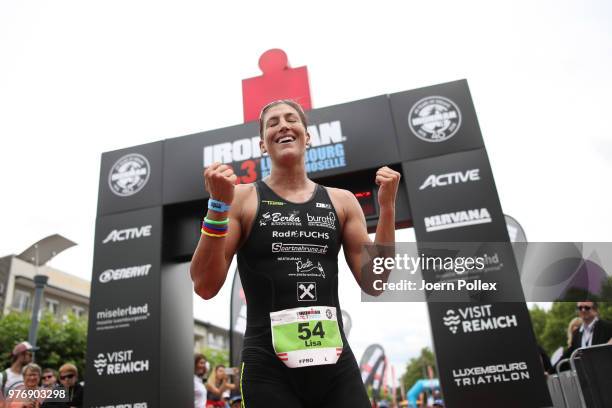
x,y
217,229
217,205
216,222
212,235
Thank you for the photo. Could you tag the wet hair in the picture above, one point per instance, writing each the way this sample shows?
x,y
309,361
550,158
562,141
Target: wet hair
x,y
288,102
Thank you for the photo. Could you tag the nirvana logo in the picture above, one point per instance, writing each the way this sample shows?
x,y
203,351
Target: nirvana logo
x,y
434,119
119,362
457,219
129,175
477,319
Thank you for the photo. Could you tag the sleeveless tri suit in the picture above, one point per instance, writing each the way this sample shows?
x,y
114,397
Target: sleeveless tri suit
x,y
295,351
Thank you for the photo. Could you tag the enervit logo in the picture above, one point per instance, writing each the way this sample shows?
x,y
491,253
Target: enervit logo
x,y
129,174
457,177
248,148
492,374
457,219
119,362
306,291
434,119
125,405
477,319
124,273
128,233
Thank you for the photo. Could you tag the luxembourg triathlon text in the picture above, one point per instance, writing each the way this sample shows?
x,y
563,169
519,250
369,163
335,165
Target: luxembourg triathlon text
x,y
459,265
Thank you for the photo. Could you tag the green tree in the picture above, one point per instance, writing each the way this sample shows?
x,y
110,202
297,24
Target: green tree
x,y
417,367
59,341
216,357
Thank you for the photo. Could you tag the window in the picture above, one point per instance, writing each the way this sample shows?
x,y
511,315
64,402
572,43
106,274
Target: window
x,y
52,306
78,310
21,300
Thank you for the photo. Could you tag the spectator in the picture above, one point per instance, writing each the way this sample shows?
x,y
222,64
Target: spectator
x,y
199,388
592,331
217,384
20,357
49,378
69,375
438,403
235,401
574,325
31,380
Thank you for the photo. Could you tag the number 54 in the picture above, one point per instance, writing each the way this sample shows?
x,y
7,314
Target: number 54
x,y
305,333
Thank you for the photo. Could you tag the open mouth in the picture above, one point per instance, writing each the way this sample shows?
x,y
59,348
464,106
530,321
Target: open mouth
x,y
286,139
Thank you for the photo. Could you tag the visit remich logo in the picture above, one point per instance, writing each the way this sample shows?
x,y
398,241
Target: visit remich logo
x,y
477,319
129,175
434,119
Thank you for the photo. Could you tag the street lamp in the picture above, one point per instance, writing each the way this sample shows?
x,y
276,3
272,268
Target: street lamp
x,y
39,254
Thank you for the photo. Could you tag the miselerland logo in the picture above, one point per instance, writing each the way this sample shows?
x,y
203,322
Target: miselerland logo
x,y
477,319
119,362
129,175
434,119
306,291
118,235
457,219
125,405
458,177
124,273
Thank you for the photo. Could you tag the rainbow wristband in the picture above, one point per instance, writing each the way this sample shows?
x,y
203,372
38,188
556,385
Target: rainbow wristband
x,y
213,235
216,222
217,229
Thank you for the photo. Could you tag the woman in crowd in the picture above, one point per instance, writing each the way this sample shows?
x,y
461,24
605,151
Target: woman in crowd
x,y
198,383
31,381
217,384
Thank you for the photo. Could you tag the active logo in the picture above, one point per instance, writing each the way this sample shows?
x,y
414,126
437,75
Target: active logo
x,y
457,219
306,291
276,219
457,177
129,175
327,221
492,374
128,233
309,248
124,273
434,119
119,362
477,319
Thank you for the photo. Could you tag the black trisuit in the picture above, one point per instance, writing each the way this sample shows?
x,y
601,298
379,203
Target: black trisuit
x,y
290,260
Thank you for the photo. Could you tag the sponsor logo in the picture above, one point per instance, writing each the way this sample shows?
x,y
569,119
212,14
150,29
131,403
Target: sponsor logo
x,y
308,314
121,317
119,362
457,177
276,219
306,291
129,175
328,313
270,202
492,262
477,319
125,405
124,273
300,234
309,248
492,374
324,205
308,269
322,221
457,219
128,233
434,119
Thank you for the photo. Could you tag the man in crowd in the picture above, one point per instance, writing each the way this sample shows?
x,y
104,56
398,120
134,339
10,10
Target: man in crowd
x,y
20,357
592,331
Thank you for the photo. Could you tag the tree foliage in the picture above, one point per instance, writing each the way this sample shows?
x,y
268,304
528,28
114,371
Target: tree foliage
x,y
417,368
59,341
216,357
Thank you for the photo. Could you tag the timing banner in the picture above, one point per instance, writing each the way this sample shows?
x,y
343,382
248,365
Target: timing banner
x,y
485,347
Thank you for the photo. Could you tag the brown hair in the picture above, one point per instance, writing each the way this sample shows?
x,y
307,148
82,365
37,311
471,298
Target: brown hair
x,y
288,102
196,359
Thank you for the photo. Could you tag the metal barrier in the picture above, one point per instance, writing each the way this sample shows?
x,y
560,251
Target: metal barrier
x,y
556,393
570,388
593,368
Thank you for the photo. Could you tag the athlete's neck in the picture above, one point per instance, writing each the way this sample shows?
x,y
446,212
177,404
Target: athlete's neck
x,y
290,179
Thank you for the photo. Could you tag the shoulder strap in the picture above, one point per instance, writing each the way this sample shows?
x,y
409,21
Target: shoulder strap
x,y
4,375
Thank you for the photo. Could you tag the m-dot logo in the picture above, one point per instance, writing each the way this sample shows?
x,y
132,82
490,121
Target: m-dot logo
x,y
434,119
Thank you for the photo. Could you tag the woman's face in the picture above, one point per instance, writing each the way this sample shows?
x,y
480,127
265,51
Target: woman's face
x,y
200,368
284,134
31,379
49,378
220,373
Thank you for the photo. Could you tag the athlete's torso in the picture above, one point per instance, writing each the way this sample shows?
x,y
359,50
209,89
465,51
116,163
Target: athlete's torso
x,y
289,259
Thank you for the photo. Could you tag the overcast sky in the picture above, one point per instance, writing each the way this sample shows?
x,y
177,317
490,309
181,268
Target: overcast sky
x,y
78,78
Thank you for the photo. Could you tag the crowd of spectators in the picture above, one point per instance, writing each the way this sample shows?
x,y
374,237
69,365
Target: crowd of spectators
x,y
26,385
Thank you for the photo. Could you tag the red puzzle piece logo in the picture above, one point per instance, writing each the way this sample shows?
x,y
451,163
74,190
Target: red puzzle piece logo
x,y
279,81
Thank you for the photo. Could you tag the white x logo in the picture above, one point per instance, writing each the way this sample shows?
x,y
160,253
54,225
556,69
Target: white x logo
x,y
306,289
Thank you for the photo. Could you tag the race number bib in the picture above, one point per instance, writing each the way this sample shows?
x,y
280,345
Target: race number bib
x,y
306,336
